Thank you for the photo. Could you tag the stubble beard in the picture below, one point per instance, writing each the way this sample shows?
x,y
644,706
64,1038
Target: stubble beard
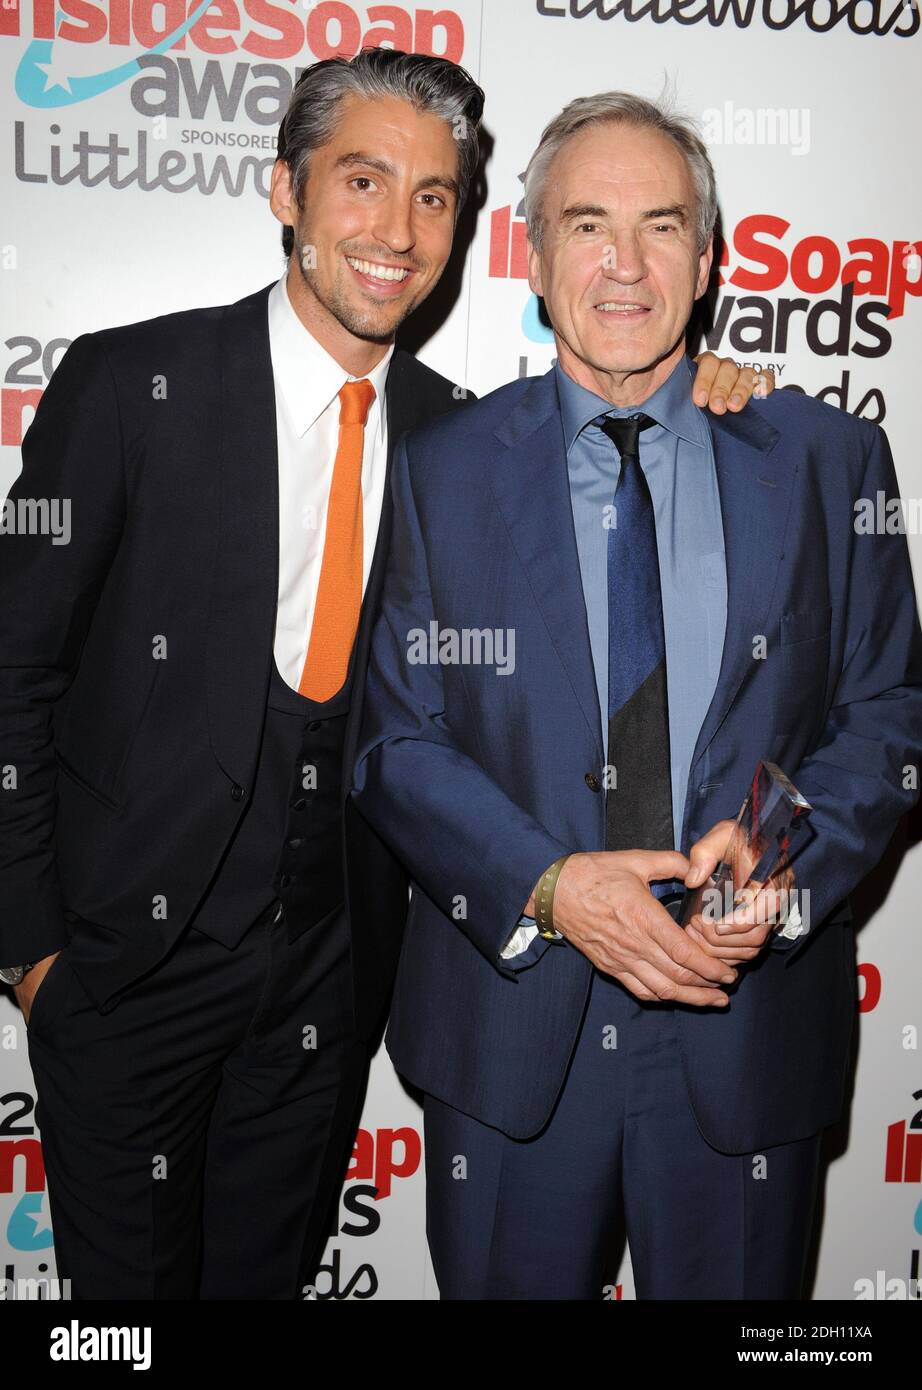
x,y
371,325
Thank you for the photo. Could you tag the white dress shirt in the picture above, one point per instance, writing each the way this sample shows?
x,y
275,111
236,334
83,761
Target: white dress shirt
x,y
307,384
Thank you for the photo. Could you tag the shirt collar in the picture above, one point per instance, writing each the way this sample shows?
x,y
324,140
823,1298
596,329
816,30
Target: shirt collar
x,y
305,373
671,405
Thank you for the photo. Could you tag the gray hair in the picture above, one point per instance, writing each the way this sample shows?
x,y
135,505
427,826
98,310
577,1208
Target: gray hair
x,y
621,108
428,84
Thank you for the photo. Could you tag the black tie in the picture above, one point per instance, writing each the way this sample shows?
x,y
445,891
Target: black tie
x,y
639,803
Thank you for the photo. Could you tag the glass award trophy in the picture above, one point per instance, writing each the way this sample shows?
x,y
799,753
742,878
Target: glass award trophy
x,y
758,846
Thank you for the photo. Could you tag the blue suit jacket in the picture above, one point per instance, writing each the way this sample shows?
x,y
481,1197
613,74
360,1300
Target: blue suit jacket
x,y
479,781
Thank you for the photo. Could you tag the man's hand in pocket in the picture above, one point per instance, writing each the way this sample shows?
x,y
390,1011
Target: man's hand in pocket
x,y
25,993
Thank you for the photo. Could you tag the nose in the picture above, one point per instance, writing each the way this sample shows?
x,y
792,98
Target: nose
x,y
623,259
393,227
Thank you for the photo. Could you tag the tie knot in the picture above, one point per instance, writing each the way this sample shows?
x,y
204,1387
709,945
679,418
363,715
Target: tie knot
x,y
624,432
355,400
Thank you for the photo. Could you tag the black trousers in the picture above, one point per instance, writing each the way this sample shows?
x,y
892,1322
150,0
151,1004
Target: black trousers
x,y
196,1137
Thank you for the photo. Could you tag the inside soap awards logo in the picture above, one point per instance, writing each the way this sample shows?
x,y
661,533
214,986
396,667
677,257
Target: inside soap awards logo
x,y
380,1158
22,1174
57,70
25,1227
60,66
210,66
902,1164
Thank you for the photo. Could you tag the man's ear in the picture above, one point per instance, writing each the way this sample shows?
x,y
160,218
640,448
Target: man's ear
x,y
704,268
534,269
281,194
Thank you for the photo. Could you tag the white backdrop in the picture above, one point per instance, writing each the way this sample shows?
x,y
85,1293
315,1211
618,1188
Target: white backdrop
x,y
131,190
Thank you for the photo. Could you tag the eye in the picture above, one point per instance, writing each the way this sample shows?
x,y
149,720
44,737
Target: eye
x,y
665,227
363,179
587,226
436,200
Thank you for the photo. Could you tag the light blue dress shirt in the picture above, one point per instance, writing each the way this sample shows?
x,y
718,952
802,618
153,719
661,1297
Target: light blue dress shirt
x,y
677,458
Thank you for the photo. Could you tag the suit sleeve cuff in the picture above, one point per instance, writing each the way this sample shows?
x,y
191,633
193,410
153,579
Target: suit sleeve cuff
x,y
525,946
791,930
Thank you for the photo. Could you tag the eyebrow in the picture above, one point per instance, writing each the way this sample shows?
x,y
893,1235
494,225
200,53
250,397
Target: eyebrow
x,y
582,210
677,210
367,161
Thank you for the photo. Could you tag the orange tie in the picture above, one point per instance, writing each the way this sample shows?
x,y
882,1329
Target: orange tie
x,y
339,593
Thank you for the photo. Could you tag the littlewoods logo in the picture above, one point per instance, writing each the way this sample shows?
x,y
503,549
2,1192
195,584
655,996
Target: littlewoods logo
x,y
76,1343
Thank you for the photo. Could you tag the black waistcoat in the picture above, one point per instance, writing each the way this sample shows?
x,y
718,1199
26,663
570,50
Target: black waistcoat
x,y
288,843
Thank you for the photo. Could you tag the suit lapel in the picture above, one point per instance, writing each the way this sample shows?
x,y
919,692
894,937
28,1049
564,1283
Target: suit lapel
x,y
405,408
244,592
532,489
754,477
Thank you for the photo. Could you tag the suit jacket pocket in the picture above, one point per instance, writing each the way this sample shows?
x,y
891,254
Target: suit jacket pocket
x,y
99,732
805,641
805,627
70,771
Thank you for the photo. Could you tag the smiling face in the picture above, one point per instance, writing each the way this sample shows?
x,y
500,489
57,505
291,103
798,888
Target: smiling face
x,y
619,267
374,232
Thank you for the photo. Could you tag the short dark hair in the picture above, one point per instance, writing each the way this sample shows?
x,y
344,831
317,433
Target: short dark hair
x,y
429,84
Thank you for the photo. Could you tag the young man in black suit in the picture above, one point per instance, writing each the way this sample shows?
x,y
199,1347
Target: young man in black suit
x,y
199,928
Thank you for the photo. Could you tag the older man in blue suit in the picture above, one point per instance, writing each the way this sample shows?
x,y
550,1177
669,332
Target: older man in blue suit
x,y
602,609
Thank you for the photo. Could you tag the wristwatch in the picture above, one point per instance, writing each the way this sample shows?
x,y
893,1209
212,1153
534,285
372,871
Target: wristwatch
x,y
13,974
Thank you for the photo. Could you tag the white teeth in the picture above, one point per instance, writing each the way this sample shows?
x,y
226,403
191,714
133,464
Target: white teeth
x,y
380,272
620,308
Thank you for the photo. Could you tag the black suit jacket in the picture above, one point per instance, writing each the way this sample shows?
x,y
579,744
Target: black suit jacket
x,y
135,659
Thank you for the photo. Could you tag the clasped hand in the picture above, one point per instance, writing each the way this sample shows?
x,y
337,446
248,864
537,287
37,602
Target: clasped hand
x,y
604,907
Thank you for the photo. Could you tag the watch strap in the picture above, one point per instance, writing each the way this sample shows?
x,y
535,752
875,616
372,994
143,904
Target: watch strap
x,y
544,900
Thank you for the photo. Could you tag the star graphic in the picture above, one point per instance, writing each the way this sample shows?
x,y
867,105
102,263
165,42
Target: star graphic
x,y
55,74
40,1216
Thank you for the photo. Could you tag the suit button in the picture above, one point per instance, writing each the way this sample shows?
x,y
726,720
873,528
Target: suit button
x,y
300,804
592,782
237,792
293,844
284,881
314,725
